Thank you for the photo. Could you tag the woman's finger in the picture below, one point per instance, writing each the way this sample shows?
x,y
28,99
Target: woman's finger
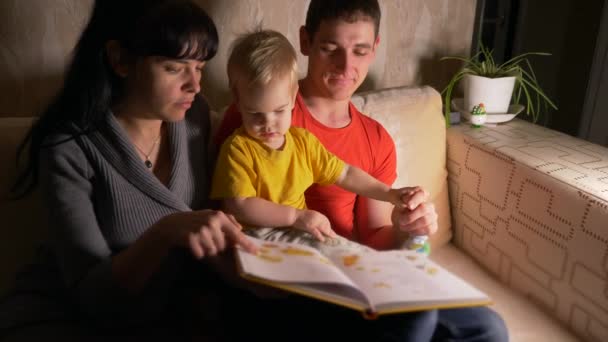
x,y
217,235
206,241
195,246
237,237
234,221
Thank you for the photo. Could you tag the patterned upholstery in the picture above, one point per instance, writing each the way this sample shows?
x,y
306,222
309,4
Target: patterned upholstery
x,y
531,205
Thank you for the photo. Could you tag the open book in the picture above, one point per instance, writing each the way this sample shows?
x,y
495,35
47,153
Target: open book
x,y
373,282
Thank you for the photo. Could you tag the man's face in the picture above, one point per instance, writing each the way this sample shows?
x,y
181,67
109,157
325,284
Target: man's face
x,y
339,56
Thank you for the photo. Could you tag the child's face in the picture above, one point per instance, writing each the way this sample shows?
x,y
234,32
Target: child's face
x,y
266,109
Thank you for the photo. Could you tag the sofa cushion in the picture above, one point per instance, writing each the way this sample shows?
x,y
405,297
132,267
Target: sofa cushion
x,y
413,118
23,224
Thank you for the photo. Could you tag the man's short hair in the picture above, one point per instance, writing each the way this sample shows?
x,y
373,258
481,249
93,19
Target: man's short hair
x,y
260,56
347,10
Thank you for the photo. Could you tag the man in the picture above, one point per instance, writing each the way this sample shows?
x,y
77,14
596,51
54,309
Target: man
x,y
340,39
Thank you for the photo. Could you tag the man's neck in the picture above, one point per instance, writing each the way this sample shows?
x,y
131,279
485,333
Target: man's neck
x,y
330,112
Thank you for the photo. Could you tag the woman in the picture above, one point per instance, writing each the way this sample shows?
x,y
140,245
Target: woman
x,y
121,155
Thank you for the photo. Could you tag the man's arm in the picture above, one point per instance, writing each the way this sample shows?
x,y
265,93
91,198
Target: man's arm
x,y
380,226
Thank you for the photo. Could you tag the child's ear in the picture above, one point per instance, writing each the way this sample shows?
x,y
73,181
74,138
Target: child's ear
x,y
117,57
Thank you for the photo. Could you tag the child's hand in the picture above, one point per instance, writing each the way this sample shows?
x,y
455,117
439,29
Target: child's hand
x,y
315,223
407,197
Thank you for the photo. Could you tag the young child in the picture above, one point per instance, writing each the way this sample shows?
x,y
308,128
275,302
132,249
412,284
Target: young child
x,y
265,166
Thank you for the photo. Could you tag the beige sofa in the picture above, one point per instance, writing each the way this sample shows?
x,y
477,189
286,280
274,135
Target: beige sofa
x,y
529,211
523,210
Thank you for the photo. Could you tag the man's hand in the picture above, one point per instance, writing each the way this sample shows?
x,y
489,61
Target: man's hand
x,y
417,217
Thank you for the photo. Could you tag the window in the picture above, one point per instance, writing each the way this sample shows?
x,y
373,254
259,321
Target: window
x,y
569,30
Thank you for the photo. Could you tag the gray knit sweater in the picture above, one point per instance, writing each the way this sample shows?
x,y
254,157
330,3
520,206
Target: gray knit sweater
x,y
101,198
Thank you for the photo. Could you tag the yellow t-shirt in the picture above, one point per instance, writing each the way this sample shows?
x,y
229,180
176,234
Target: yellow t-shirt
x,y
248,168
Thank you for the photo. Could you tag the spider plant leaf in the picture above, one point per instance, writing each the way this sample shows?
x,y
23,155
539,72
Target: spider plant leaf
x,y
531,70
517,59
529,108
540,92
448,95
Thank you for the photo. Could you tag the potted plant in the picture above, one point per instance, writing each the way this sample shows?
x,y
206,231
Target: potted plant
x,y
497,85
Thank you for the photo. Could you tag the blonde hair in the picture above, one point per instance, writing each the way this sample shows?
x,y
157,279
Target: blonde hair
x,y
261,56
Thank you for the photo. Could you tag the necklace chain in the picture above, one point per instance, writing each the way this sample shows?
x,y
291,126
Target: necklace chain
x,y
148,162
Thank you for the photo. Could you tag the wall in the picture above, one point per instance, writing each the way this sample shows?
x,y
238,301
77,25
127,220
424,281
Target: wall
x,y
36,37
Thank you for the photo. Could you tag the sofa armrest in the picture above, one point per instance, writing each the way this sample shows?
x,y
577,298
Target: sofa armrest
x,y
531,205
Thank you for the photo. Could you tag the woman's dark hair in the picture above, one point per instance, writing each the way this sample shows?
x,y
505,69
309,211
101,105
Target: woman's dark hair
x,y
169,28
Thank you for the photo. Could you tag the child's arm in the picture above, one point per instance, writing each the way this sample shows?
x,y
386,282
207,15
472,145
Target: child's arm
x,y
263,213
358,181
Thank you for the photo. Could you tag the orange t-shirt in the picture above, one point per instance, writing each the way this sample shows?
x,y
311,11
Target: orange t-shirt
x,y
364,143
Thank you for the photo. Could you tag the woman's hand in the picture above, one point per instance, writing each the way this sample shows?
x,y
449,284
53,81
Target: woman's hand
x,y
315,223
204,232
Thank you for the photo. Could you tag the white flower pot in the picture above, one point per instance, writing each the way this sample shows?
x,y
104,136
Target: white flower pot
x,y
494,93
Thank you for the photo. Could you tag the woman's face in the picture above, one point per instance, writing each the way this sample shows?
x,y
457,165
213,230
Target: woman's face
x,y
162,88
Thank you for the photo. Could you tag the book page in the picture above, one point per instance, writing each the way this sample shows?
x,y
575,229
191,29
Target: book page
x,y
399,279
290,263
349,274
